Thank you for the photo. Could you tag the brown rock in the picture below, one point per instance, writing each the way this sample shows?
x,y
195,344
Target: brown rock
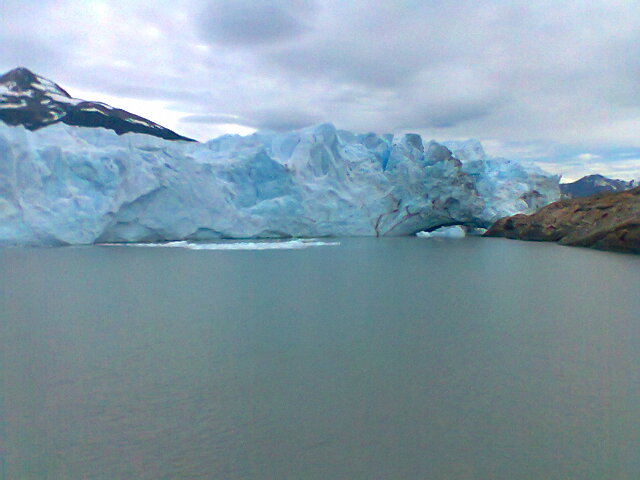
x,y
607,221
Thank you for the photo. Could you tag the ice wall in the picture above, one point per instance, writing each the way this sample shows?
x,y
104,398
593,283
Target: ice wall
x,y
71,185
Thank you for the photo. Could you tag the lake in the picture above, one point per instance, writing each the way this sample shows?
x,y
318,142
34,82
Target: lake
x,y
393,358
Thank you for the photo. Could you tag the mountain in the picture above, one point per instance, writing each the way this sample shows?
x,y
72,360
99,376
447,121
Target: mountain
x,y
34,102
606,221
70,185
592,184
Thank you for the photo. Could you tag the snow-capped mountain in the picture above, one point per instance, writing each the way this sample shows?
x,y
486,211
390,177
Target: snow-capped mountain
x,y
70,185
33,101
592,184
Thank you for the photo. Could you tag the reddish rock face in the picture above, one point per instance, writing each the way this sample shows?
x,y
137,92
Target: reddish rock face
x,y
608,221
33,101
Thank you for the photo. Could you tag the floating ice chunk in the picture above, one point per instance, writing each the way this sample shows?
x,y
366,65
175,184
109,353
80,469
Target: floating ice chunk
x,y
455,231
285,245
476,231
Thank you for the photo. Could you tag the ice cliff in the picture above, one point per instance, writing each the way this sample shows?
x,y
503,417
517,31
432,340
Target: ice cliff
x,y
72,185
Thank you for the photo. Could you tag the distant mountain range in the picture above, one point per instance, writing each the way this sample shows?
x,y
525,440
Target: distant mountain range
x,y
33,101
592,184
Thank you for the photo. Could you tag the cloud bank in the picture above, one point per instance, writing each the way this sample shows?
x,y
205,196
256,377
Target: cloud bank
x,y
547,80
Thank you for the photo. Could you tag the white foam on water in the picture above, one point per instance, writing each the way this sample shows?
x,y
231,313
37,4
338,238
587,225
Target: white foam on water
x,y
286,245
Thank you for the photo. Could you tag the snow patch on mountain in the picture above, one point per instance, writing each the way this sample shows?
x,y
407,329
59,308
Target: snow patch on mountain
x,y
35,102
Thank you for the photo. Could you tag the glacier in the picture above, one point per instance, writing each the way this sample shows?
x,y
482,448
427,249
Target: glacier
x,y
66,185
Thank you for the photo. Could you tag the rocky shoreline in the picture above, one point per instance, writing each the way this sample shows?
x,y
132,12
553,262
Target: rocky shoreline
x,y
608,221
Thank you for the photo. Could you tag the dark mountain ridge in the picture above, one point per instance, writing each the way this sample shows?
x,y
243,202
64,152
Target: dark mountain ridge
x,y
592,184
34,102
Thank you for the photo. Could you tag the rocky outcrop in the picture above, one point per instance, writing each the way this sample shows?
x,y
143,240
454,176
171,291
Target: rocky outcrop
x,y
592,184
34,102
607,221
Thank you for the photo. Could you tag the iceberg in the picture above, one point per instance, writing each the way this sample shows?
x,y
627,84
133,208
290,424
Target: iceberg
x,y
66,185
453,231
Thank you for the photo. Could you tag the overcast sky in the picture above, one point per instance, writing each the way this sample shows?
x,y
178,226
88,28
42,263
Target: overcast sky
x,y
557,82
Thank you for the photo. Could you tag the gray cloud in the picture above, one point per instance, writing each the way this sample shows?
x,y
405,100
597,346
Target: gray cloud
x,y
452,115
336,63
42,57
283,120
543,73
271,119
217,119
253,22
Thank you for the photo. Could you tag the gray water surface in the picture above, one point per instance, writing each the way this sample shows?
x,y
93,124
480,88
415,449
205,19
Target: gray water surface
x,y
397,358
